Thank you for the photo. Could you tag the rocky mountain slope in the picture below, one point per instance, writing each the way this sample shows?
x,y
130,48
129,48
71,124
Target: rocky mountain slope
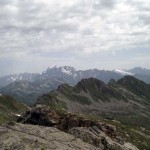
x,y
90,115
10,108
100,135
27,87
126,100
30,137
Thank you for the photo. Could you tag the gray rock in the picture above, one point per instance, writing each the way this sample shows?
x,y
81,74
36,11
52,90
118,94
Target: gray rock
x,y
99,139
34,137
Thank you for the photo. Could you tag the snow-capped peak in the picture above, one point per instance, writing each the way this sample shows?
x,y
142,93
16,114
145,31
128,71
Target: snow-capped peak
x,y
1,94
64,69
53,66
68,70
123,72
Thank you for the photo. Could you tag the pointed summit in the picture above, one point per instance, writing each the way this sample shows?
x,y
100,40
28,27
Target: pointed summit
x,y
90,84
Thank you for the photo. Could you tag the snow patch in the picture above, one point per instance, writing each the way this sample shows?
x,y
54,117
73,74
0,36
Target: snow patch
x,y
14,77
66,71
18,115
53,66
1,94
75,75
123,72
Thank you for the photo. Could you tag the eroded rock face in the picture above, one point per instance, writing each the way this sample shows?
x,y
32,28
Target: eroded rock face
x,y
30,137
98,134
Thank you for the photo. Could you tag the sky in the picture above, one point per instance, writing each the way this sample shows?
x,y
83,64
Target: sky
x,y
103,34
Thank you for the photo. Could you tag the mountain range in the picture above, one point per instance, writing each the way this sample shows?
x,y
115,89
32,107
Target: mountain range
x,y
126,100
112,116
26,87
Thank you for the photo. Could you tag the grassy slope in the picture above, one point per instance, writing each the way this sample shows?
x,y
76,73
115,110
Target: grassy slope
x,y
9,107
138,136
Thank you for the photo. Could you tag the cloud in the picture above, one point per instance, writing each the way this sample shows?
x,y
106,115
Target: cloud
x,y
78,28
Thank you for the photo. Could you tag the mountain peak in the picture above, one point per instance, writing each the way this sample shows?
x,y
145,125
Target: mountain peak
x,y
137,86
60,69
90,84
129,80
63,87
53,66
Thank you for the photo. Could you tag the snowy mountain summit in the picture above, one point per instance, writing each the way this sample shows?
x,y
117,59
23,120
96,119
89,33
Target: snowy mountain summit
x,y
68,74
60,69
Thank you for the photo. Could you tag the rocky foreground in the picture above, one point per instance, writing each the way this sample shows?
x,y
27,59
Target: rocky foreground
x,y
52,129
29,137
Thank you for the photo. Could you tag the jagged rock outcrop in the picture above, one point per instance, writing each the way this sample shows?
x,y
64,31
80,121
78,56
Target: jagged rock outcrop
x,y
101,135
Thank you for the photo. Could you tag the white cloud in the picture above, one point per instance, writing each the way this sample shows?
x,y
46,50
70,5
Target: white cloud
x,y
79,27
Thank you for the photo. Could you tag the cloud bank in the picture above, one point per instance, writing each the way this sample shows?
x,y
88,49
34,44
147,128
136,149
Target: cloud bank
x,y
80,30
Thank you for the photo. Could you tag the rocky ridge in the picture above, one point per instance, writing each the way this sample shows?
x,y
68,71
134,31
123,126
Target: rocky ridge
x,y
101,135
126,100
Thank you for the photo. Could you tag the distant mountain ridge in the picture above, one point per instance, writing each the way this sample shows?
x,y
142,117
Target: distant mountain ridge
x,y
139,70
5,80
26,87
72,75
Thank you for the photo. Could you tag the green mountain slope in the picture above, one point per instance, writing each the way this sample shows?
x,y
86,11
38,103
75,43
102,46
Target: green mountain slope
x,y
126,100
10,108
138,87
